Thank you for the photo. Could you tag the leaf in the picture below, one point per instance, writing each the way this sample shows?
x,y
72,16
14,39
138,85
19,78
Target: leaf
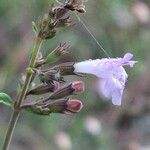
x,y
34,28
6,99
51,58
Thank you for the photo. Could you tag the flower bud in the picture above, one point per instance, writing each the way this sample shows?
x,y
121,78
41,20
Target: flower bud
x,y
57,12
57,53
65,22
48,34
50,76
44,88
39,56
55,18
65,106
71,5
73,106
67,90
75,6
78,86
39,60
47,28
65,68
81,9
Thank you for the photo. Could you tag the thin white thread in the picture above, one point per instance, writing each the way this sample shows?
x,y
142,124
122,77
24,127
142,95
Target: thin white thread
x,y
59,2
88,30
97,42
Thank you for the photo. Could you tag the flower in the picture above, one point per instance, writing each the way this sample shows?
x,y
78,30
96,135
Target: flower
x,y
93,125
63,141
111,73
141,12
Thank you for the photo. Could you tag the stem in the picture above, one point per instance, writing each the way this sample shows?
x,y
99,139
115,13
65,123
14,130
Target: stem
x,y
10,130
30,73
22,95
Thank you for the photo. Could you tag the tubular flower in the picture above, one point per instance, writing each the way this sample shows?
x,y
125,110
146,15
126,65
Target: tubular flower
x,y
112,76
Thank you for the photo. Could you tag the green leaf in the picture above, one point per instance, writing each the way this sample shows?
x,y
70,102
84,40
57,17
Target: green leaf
x,y
51,58
6,99
34,28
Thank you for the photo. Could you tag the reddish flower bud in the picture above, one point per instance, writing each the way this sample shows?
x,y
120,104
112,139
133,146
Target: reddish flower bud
x,y
65,106
78,86
73,106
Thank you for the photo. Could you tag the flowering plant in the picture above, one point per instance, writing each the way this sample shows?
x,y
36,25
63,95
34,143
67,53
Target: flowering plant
x,y
110,71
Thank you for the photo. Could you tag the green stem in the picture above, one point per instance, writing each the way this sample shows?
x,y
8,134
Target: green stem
x,y
22,95
10,130
29,72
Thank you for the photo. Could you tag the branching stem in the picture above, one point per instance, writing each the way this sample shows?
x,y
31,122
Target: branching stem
x,y
16,111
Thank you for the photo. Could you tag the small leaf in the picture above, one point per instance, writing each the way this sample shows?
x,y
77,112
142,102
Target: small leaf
x,y
51,58
6,99
34,28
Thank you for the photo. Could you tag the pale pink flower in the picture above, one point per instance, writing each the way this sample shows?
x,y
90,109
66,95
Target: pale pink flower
x,y
141,11
93,125
63,141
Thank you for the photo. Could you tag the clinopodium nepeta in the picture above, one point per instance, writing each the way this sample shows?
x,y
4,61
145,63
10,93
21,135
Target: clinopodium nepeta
x,y
110,72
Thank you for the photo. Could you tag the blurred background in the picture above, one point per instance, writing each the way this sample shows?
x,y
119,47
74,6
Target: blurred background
x,y
120,26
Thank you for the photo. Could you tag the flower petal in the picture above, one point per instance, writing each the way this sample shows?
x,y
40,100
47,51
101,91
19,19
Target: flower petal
x,y
99,67
128,56
111,88
111,73
104,88
84,66
117,97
